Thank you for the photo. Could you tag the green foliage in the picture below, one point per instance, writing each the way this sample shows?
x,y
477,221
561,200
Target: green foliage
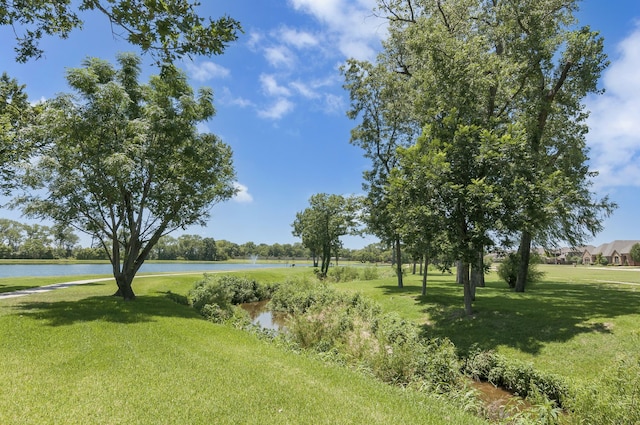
x,y
321,225
635,253
515,376
370,273
353,328
169,29
343,274
508,270
297,295
613,399
215,295
173,368
124,161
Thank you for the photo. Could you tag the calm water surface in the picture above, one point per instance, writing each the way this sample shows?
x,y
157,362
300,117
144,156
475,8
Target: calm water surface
x,y
22,270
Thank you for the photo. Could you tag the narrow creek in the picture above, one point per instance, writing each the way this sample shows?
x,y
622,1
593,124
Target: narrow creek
x,y
497,401
263,317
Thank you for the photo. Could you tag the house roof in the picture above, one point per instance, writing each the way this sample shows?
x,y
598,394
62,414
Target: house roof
x,y
619,246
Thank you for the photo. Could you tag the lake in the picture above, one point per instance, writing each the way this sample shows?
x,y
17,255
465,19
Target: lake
x,y
23,270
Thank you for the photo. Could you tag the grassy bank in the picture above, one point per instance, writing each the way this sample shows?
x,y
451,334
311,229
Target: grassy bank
x,y
77,355
576,322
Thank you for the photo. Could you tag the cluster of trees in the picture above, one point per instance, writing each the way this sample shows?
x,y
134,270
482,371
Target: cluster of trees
x,y
473,118
36,241
117,159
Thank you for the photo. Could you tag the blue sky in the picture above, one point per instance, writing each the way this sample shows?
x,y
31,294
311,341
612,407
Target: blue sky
x,y
281,106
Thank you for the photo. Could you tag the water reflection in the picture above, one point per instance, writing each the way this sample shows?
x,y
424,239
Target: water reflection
x,y
263,317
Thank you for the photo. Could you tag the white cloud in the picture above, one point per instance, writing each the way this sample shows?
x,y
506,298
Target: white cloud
x,y
277,110
243,196
614,135
206,71
271,87
298,39
304,90
254,39
279,56
350,24
227,98
334,104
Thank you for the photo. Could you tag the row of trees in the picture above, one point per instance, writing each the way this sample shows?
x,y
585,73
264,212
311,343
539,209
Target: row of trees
x,y
36,241
473,119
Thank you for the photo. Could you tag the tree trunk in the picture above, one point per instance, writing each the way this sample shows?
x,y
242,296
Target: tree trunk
x,y
424,276
398,252
421,262
524,255
459,272
477,272
466,282
124,288
415,266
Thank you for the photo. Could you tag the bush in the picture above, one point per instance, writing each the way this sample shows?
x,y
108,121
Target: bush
x,y
515,376
215,295
297,295
370,273
614,399
508,269
343,274
352,327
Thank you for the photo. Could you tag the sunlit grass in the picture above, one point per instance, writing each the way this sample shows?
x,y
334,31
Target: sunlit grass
x,y
80,356
573,323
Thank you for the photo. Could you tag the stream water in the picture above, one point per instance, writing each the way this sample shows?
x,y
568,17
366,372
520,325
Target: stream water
x,y
263,317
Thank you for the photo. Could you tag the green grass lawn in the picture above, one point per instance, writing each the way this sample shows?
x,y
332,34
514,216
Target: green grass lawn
x,y
575,323
80,356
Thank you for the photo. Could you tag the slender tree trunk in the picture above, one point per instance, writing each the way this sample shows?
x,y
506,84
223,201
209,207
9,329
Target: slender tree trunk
x,y
398,251
477,272
424,275
524,255
415,266
459,272
468,296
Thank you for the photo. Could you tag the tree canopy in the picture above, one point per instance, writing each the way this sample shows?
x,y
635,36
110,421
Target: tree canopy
x,y
321,225
123,161
168,29
497,88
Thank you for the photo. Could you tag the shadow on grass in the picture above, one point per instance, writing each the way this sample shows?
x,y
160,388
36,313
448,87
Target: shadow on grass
x,y
547,312
12,288
104,308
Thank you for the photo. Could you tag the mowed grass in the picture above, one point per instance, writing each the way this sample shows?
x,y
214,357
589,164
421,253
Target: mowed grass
x,y
79,356
577,322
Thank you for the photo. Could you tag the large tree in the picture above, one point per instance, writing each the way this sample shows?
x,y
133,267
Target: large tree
x,y
15,113
124,161
380,100
515,70
321,225
169,29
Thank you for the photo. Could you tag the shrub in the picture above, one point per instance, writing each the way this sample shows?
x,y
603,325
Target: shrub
x,y
614,399
370,273
214,296
515,376
342,274
389,347
508,269
297,295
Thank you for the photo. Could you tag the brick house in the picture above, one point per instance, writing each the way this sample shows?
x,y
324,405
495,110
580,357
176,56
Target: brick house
x,y
616,253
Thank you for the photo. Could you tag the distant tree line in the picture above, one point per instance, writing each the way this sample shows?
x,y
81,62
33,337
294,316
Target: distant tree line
x,y
37,241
